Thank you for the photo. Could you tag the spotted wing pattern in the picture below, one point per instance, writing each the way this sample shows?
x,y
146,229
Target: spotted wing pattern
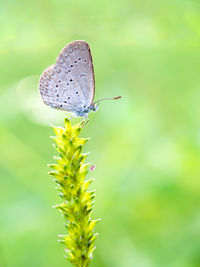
x,y
69,83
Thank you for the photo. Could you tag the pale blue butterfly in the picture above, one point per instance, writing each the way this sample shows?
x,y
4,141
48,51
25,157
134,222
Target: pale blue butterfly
x,y
69,83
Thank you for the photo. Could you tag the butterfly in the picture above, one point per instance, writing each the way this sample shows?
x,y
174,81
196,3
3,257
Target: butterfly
x,y
69,84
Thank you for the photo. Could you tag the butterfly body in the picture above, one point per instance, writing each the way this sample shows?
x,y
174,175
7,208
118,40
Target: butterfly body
x,y
83,111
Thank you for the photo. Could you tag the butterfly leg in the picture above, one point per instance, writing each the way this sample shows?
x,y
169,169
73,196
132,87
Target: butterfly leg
x,y
84,121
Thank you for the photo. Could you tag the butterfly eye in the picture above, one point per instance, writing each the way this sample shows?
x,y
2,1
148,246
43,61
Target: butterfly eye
x,y
95,107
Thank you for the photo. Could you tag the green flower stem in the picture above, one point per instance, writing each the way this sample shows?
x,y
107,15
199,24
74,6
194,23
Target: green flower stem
x,y
69,173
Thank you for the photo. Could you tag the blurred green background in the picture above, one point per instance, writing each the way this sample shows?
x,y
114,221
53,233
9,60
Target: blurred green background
x,y
146,146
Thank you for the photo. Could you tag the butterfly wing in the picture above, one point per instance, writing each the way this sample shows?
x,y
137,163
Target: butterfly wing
x,y
69,83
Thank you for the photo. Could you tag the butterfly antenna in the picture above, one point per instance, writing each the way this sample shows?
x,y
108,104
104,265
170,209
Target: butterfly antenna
x,y
108,98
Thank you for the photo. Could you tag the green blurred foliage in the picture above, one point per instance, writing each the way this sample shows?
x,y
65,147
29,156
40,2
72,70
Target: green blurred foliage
x,y
146,146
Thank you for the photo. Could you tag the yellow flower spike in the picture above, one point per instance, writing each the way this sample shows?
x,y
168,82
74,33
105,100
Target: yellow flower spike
x,y
58,130
86,184
77,152
76,132
82,141
68,127
70,173
55,166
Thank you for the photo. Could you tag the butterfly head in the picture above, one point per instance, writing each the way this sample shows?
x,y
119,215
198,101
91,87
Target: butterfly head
x,y
94,106
83,111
